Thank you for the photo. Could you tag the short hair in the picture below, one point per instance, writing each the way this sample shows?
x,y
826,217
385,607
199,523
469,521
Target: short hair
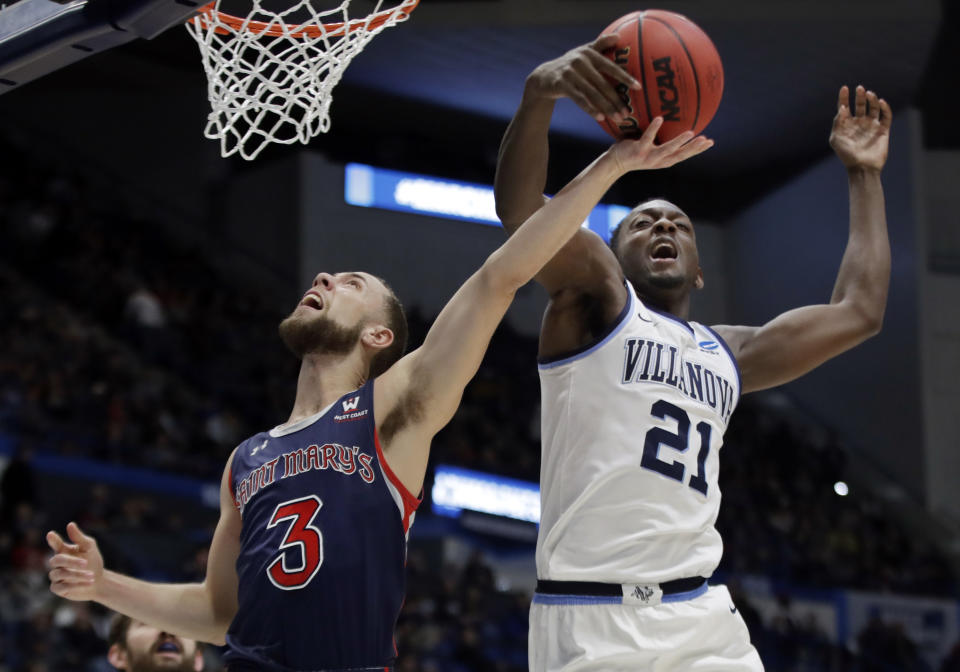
x,y
119,625
397,323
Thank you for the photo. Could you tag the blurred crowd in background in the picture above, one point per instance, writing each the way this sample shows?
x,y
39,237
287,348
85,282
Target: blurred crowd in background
x,y
123,345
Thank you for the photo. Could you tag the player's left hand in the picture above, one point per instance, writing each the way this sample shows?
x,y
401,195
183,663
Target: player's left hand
x,y
76,569
861,138
645,154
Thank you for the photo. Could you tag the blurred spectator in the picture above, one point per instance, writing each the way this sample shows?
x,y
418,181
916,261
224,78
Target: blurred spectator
x,y
80,642
144,309
952,662
146,319
17,485
887,648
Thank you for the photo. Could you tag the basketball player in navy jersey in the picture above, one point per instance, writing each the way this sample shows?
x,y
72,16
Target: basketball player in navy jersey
x,y
306,567
635,398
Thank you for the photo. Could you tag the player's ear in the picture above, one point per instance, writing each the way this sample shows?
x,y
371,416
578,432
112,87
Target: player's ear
x,y
698,281
117,656
376,336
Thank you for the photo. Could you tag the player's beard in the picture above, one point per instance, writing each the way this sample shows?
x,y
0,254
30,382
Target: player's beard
x,y
318,335
659,281
648,282
145,661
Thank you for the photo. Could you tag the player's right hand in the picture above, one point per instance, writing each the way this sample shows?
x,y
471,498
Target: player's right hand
x,y
76,569
587,77
645,154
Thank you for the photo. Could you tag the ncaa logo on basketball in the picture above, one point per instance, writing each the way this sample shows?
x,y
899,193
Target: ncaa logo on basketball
x,y
350,411
669,98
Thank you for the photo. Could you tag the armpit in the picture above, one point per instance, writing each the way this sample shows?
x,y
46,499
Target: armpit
x,y
409,409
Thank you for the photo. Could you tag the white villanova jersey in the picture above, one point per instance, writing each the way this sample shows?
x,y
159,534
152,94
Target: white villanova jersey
x,y
632,429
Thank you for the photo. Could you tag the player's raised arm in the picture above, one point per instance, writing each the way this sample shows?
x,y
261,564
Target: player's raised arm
x,y
800,340
587,77
424,388
201,611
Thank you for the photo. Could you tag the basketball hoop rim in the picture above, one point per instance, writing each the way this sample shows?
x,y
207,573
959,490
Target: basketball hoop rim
x,y
308,30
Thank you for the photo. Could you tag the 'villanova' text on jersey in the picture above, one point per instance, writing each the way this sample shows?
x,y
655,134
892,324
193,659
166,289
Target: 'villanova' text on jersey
x,y
652,361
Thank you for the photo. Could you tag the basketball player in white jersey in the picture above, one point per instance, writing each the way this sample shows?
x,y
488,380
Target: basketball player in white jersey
x,y
636,398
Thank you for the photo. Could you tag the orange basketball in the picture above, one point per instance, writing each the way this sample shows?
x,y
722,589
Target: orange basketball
x,y
678,67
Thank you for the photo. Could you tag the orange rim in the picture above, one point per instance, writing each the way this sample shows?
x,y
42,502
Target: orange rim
x,y
302,29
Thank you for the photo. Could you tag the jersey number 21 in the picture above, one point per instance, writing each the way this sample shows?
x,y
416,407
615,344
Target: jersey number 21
x,y
679,441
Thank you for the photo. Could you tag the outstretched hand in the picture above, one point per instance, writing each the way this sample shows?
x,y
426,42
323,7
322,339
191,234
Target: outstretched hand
x,y
645,154
861,139
76,569
587,77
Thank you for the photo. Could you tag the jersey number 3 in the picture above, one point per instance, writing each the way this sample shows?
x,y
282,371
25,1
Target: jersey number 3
x,y
679,441
302,539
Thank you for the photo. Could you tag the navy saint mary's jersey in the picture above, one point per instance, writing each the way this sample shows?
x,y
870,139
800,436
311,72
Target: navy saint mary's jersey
x,y
323,544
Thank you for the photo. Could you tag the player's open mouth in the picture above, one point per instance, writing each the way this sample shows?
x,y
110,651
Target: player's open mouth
x,y
168,646
312,300
663,249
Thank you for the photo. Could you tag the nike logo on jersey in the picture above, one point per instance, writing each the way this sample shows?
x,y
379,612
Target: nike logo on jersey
x,y
733,610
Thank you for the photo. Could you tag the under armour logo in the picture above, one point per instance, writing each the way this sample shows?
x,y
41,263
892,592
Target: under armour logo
x,y
351,404
643,593
259,448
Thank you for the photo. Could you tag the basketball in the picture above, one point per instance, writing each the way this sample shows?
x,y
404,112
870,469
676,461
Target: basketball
x,y
678,67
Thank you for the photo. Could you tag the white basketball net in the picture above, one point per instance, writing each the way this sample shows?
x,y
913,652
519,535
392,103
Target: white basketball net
x,y
270,81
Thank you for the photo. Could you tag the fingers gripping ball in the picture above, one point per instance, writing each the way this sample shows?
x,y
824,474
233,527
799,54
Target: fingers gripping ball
x,y
678,67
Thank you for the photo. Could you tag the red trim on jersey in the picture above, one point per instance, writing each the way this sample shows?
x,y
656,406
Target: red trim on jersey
x,y
233,493
410,503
